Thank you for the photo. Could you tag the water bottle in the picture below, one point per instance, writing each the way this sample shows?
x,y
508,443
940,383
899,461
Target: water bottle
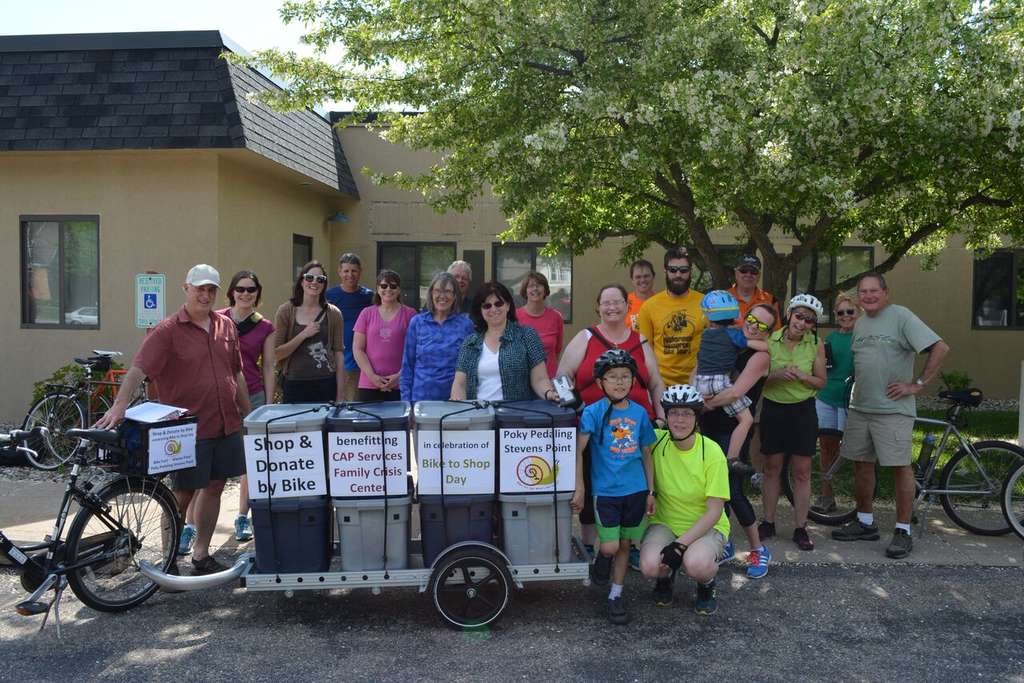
x,y
927,446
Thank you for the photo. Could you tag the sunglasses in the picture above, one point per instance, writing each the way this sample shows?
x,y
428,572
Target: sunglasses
x,y
846,311
389,285
309,277
246,290
805,318
500,303
747,271
752,320
677,269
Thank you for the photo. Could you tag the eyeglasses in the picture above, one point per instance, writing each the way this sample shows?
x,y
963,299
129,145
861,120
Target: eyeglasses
x,y
846,311
619,379
246,290
609,304
319,279
805,318
500,303
447,293
752,320
677,269
389,285
747,271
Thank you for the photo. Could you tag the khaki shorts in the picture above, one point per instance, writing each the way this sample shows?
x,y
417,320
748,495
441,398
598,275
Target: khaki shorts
x,y
659,536
873,436
351,384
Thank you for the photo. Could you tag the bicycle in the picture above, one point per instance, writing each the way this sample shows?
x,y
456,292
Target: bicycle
x,y
1013,500
125,521
969,485
73,406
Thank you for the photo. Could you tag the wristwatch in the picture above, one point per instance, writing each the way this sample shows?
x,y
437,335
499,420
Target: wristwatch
x,y
919,382
652,493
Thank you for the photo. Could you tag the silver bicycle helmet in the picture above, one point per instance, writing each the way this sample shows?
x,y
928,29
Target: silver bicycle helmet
x,y
681,396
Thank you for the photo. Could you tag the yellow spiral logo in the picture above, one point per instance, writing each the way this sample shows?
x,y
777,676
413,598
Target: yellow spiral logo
x,y
172,447
534,470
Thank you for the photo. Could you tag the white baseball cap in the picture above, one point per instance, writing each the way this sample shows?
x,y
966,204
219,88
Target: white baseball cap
x,y
203,274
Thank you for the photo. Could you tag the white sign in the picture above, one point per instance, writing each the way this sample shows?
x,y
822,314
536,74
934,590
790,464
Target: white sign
x,y
285,465
150,300
172,448
356,461
525,457
468,462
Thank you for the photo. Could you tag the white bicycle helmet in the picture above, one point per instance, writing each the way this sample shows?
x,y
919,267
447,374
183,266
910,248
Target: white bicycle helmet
x,y
681,396
808,301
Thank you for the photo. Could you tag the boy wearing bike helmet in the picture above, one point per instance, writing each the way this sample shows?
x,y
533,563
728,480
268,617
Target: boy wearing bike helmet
x,y
620,436
689,528
716,359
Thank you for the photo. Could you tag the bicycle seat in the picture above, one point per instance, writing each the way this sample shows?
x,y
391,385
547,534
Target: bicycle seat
x,y
108,437
967,397
108,354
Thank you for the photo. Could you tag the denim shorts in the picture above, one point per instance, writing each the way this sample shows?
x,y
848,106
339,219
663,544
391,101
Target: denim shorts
x,y
831,419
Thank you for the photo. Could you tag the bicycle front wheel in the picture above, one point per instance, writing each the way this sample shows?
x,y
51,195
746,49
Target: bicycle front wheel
x,y
1013,501
974,485
141,522
58,413
832,500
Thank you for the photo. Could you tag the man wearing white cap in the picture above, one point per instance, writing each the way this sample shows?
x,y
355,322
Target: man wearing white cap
x,y
194,360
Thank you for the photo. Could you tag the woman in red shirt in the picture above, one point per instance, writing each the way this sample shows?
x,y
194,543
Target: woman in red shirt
x,y
545,320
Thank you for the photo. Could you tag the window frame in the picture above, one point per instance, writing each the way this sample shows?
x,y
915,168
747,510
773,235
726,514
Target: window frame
x,y
417,245
1016,269
23,220
829,322
536,246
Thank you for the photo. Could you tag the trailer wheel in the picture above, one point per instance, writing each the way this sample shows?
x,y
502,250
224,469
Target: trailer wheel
x,y
471,587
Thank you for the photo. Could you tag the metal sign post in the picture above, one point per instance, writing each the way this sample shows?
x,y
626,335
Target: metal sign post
x,y
150,299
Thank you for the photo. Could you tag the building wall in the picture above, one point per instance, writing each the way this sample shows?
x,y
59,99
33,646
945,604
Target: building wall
x,y
942,298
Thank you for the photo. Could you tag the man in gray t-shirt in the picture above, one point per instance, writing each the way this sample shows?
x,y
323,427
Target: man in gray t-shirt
x,y
886,340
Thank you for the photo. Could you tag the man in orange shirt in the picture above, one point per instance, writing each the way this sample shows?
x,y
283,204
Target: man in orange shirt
x,y
746,291
641,272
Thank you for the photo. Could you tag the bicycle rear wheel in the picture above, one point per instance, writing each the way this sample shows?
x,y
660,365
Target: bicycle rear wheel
x,y
57,412
142,524
977,486
840,488
1013,501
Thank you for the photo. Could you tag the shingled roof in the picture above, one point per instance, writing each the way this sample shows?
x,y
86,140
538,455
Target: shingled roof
x,y
162,90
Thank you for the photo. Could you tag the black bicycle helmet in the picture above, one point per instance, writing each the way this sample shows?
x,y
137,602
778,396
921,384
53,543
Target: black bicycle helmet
x,y
614,358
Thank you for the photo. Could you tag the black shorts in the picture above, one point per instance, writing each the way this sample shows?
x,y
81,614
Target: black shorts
x,y
789,427
216,460
621,511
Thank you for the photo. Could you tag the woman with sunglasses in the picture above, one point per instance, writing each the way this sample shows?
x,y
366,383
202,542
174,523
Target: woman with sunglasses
x,y
789,421
751,367
308,341
502,360
833,402
378,340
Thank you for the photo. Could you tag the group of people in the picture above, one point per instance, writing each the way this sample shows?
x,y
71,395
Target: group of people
x,y
672,385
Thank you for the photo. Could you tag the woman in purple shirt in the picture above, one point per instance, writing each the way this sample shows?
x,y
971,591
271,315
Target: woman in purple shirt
x,y
432,343
379,339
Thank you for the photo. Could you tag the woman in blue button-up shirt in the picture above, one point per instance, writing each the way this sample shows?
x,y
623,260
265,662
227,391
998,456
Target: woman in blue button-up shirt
x,y
432,344
502,360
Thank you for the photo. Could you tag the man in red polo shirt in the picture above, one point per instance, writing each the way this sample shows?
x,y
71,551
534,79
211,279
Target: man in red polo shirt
x,y
193,358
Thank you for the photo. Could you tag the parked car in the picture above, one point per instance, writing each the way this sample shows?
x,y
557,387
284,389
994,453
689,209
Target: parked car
x,y
86,315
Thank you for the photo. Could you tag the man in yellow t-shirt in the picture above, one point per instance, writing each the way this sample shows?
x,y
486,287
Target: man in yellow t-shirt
x,y
641,272
673,322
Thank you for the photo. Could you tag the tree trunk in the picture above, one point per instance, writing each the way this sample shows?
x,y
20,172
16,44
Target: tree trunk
x,y
775,279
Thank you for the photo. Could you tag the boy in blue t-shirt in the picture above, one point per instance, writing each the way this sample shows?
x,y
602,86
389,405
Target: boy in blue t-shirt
x,y
620,436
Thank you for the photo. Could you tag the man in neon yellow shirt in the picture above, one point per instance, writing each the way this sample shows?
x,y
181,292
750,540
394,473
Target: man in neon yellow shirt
x,y
672,320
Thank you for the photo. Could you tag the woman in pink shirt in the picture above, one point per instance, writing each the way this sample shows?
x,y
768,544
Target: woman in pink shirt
x,y
378,340
546,321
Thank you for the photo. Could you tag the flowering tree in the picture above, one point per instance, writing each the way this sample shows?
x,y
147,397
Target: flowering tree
x,y
891,121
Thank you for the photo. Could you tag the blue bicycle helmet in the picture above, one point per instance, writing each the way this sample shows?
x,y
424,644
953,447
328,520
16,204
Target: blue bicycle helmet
x,y
720,306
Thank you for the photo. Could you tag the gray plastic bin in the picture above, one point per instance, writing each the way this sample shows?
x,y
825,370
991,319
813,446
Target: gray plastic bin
x,y
292,535
528,523
361,533
389,416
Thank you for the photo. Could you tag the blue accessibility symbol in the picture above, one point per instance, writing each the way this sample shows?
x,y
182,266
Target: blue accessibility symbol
x,y
149,301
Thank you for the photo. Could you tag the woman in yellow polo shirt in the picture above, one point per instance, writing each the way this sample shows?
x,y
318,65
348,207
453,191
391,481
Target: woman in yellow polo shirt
x,y
789,419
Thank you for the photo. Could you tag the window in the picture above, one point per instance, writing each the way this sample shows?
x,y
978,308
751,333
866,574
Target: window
x,y
513,261
416,263
820,270
998,291
302,253
60,269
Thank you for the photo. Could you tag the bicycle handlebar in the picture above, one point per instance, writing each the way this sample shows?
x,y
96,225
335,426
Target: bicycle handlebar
x,y
19,436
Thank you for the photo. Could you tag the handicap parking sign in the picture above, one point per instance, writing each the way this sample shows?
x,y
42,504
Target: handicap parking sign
x,y
149,300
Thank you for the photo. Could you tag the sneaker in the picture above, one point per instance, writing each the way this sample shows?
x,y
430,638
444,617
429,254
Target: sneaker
x,y
766,529
728,552
824,505
617,611
663,590
601,570
900,546
243,529
757,562
187,540
801,538
855,531
634,558
205,566
741,468
707,599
